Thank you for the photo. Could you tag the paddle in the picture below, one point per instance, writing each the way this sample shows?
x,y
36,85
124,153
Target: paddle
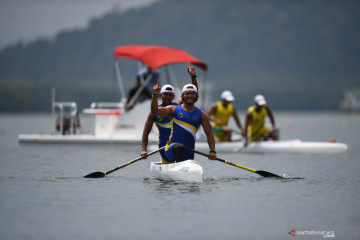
x,y
260,172
103,174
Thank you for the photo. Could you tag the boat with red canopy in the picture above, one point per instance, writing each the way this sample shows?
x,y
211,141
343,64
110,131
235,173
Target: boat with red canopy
x,y
122,121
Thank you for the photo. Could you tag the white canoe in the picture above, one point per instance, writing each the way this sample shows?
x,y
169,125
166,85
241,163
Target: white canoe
x,y
285,146
188,170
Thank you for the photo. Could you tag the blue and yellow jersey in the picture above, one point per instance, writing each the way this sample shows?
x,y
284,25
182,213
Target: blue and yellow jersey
x,y
164,128
184,128
163,125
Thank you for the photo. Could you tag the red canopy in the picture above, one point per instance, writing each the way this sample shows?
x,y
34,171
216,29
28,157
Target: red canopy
x,y
156,56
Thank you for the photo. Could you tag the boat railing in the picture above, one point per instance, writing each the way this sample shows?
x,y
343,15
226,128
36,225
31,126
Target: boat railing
x,y
112,105
59,118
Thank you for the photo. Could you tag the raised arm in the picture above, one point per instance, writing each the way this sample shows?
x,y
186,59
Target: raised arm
x,y
155,109
209,135
192,72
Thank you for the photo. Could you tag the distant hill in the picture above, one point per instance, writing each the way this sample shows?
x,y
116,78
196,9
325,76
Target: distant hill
x,y
301,55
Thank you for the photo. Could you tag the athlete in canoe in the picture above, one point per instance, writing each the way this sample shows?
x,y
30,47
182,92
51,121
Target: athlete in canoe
x,y
167,95
186,121
255,122
219,114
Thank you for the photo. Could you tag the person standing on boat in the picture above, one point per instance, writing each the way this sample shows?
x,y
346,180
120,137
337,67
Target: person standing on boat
x,y
146,72
186,121
167,95
146,91
219,114
255,121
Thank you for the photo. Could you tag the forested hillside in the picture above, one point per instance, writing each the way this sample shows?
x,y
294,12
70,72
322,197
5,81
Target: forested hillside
x,y
301,55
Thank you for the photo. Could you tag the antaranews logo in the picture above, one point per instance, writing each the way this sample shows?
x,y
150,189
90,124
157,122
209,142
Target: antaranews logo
x,y
292,233
322,233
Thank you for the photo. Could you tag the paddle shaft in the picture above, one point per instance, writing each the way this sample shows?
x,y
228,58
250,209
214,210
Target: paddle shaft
x,y
135,160
262,173
103,174
222,160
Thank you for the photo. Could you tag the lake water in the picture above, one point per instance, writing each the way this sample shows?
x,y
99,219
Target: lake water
x,y
44,196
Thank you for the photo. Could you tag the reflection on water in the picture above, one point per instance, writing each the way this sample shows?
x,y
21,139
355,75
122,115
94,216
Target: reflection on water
x,y
173,186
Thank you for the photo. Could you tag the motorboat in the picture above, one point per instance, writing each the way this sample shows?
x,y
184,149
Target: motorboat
x,y
117,122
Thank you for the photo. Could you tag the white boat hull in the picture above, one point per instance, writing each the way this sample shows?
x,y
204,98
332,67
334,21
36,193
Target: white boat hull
x,y
134,139
124,129
187,170
286,146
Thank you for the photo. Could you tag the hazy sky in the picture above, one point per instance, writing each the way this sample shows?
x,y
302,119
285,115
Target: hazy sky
x,y
28,20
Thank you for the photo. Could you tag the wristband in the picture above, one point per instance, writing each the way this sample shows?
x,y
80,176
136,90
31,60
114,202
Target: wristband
x,y
212,151
154,95
194,76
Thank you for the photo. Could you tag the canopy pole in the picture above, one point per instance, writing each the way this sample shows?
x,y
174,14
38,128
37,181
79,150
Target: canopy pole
x,y
53,121
119,79
173,81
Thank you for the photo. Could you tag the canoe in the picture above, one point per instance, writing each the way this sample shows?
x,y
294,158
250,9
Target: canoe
x,y
188,170
284,146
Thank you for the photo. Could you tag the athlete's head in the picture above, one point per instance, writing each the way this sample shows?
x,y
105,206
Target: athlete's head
x,y
167,94
189,94
260,100
227,96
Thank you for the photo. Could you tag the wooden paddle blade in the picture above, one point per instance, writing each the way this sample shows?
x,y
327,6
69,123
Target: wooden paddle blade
x,y
95,175
267,174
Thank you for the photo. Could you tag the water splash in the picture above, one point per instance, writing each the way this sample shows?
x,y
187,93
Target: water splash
x,y
284,175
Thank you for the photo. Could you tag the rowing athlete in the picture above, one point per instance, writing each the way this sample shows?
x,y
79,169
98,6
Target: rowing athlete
x,y
219,114
167,95
186,121
255,121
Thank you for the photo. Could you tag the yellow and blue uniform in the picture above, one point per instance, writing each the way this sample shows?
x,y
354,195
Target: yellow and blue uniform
x,y
163,125
184,126
223,114
257,126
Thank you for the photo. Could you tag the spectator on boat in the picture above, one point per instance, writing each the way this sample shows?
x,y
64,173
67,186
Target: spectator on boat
x,y
167,95
146,91
143,75
219,114
143,95
186,121
255,122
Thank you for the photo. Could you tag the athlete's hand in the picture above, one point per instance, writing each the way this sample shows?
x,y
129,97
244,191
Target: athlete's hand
x,y
245,142
218,122
212,156
156,88
191,70
143,154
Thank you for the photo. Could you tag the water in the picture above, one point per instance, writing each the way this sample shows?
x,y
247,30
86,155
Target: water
x,y
44,196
